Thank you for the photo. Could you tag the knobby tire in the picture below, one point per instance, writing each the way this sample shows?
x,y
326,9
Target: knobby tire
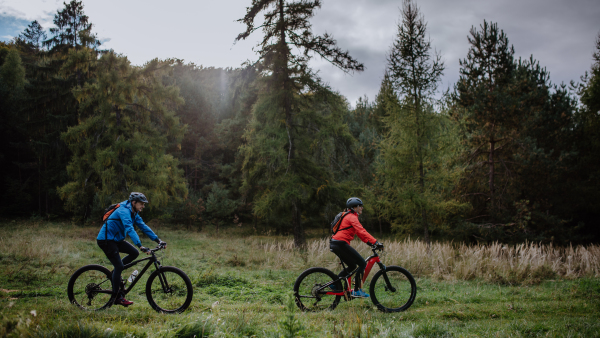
x,y
393,301
88,286
306,293
174,296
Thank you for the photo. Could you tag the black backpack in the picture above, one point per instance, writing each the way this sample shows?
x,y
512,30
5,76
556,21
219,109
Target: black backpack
x,y
109,210
337,222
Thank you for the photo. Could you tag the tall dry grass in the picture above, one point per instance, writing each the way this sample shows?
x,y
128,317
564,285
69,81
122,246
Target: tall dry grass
x,y
63,245
507,264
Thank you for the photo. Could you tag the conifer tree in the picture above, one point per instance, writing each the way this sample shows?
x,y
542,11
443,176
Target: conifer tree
x,y
295,116
490,114
73,29
33,35
50,107
586,197
15,181
126,126
417,149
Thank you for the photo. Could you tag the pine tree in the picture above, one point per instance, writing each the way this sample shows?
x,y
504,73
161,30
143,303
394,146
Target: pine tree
x,y
14,155
295,116
491,117
416,151
33,35
126,126
586,179
73,30
50,107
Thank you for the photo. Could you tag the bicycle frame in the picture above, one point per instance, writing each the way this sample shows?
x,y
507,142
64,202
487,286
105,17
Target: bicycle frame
x,y
151,260
371,260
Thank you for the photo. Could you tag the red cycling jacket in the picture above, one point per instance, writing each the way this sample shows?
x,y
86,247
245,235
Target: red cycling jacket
x,y
351,222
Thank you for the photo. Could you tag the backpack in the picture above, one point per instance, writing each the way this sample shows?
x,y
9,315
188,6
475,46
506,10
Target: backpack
x,y
109,211
337,222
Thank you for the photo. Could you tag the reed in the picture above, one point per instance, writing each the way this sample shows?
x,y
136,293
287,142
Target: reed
x,y
496,262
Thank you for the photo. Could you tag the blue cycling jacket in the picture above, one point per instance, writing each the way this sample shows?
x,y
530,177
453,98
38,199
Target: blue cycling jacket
x,y
121,223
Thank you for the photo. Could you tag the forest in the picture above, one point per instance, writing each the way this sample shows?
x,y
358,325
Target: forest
x,y
503,155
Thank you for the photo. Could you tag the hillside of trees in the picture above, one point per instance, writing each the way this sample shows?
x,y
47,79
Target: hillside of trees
x,y
505,154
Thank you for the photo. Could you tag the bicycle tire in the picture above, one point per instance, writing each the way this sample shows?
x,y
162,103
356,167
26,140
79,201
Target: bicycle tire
x,y
404,295
88,286
178,294
306,286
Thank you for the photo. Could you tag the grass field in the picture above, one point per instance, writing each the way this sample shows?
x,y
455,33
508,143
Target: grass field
x,y
242,288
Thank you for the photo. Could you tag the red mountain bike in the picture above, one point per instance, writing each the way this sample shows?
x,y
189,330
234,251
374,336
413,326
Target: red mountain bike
x,y
392,288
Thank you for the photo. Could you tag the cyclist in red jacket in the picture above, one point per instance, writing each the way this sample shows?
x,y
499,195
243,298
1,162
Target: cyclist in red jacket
x,y
340,244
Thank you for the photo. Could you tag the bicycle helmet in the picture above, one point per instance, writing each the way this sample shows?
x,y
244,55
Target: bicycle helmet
x,y
353,202
138,197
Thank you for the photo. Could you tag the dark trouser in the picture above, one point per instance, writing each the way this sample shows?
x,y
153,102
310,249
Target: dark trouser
x,y
112,249
352,259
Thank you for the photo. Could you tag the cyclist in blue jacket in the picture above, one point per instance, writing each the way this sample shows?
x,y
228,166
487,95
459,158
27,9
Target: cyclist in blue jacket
x,y
111,238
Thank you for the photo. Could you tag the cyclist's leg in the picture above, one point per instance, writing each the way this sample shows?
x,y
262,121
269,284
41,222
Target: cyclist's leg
x,y
111,250
130,250
352,259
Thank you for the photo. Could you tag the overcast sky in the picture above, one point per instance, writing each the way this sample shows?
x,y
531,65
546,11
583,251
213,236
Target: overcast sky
x,y
559,33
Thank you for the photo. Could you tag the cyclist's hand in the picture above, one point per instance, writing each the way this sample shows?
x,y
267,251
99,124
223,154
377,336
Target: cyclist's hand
x,y
162,244
377,245
144,249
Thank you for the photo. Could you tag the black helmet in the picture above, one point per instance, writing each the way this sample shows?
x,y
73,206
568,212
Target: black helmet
x,y
137,196
353,202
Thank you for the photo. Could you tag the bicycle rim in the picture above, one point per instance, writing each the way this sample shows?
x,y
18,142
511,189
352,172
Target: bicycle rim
x,y
400,297
90,288
169,290
310,294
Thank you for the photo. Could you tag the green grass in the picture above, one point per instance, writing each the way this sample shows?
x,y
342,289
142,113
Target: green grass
x,y
242,286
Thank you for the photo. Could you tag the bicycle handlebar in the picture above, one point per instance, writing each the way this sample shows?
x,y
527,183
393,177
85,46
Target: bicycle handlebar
x,y
159,247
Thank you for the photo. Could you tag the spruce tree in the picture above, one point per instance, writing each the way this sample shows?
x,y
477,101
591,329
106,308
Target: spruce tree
x,y
417,148
295,117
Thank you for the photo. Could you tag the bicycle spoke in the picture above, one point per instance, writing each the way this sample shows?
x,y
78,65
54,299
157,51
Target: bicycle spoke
x,y
401,294
85,289
169,290
312,285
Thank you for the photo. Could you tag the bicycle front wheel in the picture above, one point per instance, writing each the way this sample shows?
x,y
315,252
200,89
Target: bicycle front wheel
x,y
90,288
398,295
310,294
169,290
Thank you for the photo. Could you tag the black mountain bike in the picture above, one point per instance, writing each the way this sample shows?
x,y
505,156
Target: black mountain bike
x,y
392,288
168,289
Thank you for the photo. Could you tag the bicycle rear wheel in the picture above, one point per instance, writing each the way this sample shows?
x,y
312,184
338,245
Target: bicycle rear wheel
x,y
90,288
402,294
310,294
169,290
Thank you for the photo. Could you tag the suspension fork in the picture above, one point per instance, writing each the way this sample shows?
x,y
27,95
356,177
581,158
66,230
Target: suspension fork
x,y
385,277
161,277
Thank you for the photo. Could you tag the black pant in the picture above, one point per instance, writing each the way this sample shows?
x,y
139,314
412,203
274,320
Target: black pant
x,y
352,259
112,249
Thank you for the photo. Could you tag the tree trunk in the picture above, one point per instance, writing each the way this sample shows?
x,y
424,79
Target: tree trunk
x,y
491,177
299,238
423,210
421,171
